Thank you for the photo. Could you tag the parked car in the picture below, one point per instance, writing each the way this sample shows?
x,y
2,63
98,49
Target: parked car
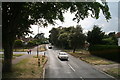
x,y
63,55
50,47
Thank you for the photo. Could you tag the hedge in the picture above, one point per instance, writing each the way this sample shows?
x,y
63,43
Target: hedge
x,y
18,43
110,52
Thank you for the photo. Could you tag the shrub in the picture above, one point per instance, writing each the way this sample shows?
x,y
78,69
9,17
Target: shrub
x,y
110,52
31,43
110,41
18,43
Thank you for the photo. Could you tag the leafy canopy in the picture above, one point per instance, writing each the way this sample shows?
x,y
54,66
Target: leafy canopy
x,y
17,17
95,36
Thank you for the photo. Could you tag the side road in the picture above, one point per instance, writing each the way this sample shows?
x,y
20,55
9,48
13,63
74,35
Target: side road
x,y
18,59
26,55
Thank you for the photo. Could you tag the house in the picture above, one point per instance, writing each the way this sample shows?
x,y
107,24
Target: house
x,y
86,45
118,36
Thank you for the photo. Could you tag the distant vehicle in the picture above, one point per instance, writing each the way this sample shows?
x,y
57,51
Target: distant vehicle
x,y
50,47
63,55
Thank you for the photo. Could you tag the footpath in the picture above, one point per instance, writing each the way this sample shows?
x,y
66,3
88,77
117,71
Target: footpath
x,y
18,59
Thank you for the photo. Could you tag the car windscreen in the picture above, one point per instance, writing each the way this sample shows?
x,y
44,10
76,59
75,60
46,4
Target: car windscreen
x,y
63,53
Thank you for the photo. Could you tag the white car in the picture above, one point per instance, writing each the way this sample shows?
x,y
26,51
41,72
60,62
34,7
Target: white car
x,y
50,47
63,55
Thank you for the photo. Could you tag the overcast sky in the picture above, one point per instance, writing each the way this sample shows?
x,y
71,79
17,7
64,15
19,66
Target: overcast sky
x,y
87,23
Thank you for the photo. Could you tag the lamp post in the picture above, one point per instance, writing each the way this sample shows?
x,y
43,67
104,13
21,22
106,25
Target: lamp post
x,y
38,44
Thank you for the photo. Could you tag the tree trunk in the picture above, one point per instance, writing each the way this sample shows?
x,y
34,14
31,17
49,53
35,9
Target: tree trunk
x,y
8,53
74,50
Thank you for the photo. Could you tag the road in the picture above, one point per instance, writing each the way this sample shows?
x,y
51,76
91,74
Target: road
x,y
73,68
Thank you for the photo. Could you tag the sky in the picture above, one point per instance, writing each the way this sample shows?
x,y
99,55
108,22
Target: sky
x,y
87,23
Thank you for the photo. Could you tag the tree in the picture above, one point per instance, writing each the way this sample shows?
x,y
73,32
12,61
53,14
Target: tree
x,y
110,39
17,18
111,34
39,36
31,43
76,38
54,36
63,40
18,43
71,37
95,36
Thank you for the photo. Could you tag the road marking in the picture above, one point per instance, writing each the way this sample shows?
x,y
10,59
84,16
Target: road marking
x,y
71,67
82,78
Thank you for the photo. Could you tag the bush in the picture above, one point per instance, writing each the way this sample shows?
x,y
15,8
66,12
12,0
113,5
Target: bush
x,y
110,41
31,43
110,52
18,44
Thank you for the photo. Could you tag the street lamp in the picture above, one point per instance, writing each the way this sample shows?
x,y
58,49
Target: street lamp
x,y
38,43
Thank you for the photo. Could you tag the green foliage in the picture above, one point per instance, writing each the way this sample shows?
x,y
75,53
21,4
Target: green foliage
x,y
76,38
106,51
110,39
54,36
18,43
63,40
31,43
71,37
40,39
95,36
39,36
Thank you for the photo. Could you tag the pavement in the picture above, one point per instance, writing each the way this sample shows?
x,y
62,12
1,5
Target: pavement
x,y
73,68
18,59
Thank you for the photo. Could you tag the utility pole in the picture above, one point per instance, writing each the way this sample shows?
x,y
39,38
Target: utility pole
x,y
37,44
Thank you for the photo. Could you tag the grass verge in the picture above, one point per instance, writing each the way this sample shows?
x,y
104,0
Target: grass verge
x,y
14,55
42,48
20,50
27,68
115,72
16,50
85,56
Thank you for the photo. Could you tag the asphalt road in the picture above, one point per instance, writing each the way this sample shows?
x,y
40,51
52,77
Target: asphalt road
x,y
73,68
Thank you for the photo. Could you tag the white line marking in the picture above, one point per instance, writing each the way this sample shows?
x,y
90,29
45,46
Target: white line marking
x,y
71,67
82,78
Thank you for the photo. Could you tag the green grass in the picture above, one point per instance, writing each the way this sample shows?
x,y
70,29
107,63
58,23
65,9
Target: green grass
x,y
96,60
35,57
87,57
1,56
27,68
20,50
42,48
14,55
115,72
17,70
1,50
18,55
16,50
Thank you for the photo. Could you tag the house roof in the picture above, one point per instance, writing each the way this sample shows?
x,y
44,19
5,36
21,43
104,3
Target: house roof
x,y
118,35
